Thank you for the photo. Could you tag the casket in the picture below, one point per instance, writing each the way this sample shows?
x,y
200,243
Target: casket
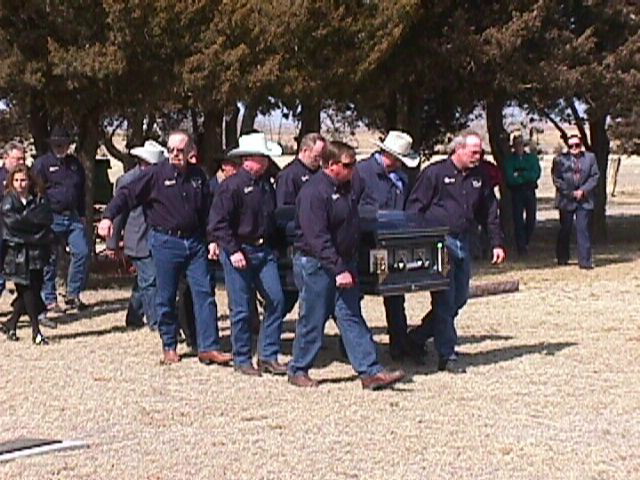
x,y
399,253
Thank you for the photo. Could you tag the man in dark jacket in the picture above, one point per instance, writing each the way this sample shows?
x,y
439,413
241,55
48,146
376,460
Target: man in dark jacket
x,y
64,179
575,176
386,187
136,245
455,192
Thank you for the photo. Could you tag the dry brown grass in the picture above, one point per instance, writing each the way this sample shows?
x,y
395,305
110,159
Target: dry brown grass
x,y
552,389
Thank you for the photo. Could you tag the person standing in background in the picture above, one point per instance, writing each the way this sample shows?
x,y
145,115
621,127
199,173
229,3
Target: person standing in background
x,y
522,172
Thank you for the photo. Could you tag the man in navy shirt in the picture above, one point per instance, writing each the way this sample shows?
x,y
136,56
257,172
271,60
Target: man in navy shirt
x,y
64,179
242,223
175,199
291,180
386,187
455,192
327,240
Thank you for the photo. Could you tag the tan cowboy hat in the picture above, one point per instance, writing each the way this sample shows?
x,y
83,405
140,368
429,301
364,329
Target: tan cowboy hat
x,y
253,144
398,144
151,152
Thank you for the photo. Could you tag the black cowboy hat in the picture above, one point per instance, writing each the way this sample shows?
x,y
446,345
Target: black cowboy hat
x,y
59,135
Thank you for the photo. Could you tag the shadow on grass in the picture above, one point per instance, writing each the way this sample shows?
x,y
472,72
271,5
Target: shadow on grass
x,y
493,356
88,333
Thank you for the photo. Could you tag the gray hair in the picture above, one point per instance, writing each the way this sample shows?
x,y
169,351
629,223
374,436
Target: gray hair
x,y
310,139
460,140
11,146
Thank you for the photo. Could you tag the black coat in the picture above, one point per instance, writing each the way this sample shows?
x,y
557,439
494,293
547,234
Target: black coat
x,y
26,235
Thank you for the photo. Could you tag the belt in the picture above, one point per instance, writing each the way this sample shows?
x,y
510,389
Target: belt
x,y
68,213
174,232
256,242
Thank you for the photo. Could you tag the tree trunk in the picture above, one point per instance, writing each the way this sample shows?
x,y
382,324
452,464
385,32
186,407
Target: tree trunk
x,y
135,135
38,123
88,137
231,129
210,148
391,111
310,119
600,147
248,117
499,142
127,160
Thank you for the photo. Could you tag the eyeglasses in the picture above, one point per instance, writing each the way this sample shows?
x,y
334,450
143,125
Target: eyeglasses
x,y
575,145
177,150
348,165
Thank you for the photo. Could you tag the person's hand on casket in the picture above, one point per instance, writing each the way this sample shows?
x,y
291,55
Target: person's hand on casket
x,y
344,280
105,228
499,256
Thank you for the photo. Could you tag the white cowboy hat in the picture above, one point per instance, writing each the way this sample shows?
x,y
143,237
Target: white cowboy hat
x,y
398,144
151,152
255,144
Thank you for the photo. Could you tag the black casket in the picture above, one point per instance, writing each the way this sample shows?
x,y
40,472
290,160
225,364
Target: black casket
x,y
399,253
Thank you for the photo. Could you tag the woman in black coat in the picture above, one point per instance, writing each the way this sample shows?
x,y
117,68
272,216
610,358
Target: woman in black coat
x,y
27,237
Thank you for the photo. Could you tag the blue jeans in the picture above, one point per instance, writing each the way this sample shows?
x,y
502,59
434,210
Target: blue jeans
x,y
143,295
69,230
446,304
584,227
261,274
174,257
319,297
523,203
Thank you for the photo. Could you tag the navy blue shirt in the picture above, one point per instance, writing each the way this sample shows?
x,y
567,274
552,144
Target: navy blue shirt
x,y
171,199
447,196
243,211
381,190
290,181
327,223
64,180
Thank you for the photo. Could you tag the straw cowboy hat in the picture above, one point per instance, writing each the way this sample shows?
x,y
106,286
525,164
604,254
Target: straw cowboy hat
x,y
151,152
398,144
253,144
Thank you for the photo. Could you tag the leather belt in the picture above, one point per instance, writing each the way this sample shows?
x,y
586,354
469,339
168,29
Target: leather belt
x,y
256,242
174,232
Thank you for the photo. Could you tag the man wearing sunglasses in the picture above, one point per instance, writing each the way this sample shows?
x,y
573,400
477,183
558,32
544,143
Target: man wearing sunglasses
x,y
175,199
324,266
575,176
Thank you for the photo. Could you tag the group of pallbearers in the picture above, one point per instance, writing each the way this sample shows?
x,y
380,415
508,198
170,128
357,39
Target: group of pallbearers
x,y
176,220
190,220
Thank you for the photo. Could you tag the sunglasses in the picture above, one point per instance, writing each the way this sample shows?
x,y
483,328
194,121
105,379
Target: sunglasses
x,y
177,150
348,165
575,145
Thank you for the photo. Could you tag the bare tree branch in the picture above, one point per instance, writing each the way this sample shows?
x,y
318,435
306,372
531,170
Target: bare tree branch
x,y
579,123
563,133
115,152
